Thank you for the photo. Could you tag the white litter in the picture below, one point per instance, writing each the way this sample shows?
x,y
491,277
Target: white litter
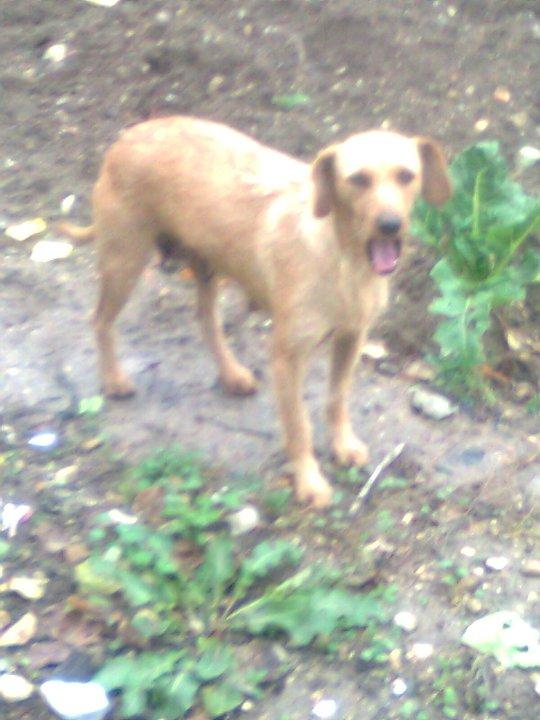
x,y
47,250
67,204
420,651
15,688
25,230
121,518
507,636
104,3
43,440
76,700
497,563
12,515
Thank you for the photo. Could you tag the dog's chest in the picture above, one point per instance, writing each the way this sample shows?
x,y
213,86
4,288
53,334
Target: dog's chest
x,y
358,298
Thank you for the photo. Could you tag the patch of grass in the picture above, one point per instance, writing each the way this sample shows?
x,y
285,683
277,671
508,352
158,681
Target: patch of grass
x,y
483,261
187,594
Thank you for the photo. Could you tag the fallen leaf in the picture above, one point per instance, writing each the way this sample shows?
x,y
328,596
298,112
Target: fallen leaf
x,y
44,654
76,553
31,588
20,632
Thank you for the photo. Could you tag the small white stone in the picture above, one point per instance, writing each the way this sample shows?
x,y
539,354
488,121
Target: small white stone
x,y
405,620
420,651
432,404
244,520
537,687
73,700
468,551
43,440
478,571
374,351
528,156
121,518
399,687
497,562
15,688
104,3
55,53
325,709
67,204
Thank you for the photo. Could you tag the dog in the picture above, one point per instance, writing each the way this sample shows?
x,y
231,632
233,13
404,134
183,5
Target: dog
x,y
314,245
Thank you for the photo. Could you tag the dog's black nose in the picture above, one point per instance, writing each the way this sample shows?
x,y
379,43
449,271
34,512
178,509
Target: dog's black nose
x,y
389,223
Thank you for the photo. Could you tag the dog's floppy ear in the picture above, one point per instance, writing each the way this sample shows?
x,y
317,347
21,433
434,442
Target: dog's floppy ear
x,y
436,185
323,174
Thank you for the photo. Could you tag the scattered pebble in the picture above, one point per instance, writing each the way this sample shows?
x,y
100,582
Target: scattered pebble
x,y
497,563
528,156
474,605
420,651
47,250
66,206
481,125
537,687
406,620
244,520
530,567
420,370
325,709
468,551
502,94
74,700
478,571
215,84
121,518
520,119
55,53
25,230
104,3
432,404
45,440
15,688
374,351
399,687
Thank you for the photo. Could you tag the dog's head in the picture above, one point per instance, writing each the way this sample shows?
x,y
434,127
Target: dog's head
x,y
370,182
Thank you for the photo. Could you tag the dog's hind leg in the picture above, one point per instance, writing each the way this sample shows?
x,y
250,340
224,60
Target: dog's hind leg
x,y
120,267
235,378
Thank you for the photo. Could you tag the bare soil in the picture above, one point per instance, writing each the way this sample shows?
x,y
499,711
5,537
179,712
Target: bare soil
x,y
419,66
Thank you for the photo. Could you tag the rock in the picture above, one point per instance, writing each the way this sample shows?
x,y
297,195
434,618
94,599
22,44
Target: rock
x,y
325,709
75,700
530,567
25,230
244,520
481,125
420,651
496,563
399,687
406,620
55,53
15,688
432,404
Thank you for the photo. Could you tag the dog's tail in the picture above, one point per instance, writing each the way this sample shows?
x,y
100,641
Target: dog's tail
x,y
80,234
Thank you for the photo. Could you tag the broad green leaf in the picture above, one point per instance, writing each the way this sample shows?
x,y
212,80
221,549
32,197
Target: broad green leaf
x,y
215,661
183,691
96,576
217,569
265,558
91,405
221,698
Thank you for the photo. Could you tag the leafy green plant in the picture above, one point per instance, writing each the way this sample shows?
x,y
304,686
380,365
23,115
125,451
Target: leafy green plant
x,y
186,590
482,262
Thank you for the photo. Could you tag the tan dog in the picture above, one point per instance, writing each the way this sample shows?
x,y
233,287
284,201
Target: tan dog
x,y
313,245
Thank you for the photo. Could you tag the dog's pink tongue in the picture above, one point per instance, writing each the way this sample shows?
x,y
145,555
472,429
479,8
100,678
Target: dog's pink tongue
x,y
384,255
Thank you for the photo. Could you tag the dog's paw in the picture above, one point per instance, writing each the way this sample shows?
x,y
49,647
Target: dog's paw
x,y
350,451
313,489
119,387
239,382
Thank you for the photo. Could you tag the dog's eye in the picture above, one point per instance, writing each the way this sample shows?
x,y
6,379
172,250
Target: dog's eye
x,y
404,176
360,179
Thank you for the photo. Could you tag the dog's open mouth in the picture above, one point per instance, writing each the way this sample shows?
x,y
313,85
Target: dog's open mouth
x,y
384,254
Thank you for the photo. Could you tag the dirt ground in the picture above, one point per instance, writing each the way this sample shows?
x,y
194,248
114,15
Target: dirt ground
x,y
429,67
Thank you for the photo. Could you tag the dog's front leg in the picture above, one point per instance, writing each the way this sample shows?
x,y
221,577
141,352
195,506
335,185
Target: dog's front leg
x,y
346,447
288,367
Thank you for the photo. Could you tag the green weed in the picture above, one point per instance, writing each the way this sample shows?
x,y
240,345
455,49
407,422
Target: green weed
x,y
483,263
186,590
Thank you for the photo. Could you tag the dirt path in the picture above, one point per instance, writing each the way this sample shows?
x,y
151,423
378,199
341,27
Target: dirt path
x,y
424,67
